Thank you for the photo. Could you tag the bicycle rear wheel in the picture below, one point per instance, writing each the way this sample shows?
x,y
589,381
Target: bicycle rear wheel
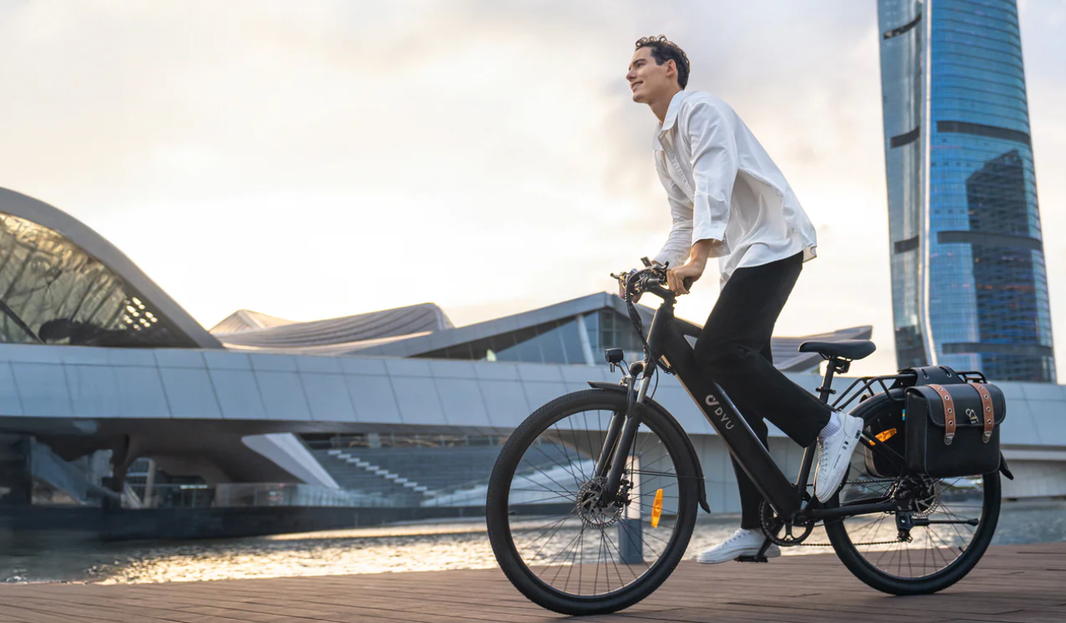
x,y
552,543
935,545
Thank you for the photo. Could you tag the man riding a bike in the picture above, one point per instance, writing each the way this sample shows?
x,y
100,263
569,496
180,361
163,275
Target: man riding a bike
x,y
729,200
593,498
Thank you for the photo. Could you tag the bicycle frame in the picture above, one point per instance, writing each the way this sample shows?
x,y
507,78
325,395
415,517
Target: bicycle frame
x,y
665,340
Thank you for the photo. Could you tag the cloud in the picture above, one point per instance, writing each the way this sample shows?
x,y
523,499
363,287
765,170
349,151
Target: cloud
x,y
312,160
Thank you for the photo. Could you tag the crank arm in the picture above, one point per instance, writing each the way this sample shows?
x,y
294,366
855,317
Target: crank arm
x,y
921,521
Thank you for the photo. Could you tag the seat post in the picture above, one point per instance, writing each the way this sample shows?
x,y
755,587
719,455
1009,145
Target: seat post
x,y
825,391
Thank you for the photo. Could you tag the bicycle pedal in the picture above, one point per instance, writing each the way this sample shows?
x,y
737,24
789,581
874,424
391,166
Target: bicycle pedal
x,y
751,559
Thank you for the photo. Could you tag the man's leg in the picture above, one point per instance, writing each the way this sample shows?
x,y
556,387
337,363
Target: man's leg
x,y
744,317
729,349
750,498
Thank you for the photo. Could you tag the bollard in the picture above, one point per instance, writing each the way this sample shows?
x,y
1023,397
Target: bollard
x,y
630,528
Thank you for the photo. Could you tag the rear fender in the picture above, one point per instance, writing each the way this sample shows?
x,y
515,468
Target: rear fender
x,y
671,421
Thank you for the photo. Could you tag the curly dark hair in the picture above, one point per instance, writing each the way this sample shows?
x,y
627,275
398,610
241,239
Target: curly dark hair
x,y
662,50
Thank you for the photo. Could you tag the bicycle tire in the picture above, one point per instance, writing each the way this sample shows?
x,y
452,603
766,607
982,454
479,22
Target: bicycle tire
x,y
497,509
875,577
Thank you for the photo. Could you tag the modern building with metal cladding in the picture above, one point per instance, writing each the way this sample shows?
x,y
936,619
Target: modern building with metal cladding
x,y
111,393
969,282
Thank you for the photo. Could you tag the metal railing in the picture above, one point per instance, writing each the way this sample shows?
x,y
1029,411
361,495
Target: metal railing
x,y
256,495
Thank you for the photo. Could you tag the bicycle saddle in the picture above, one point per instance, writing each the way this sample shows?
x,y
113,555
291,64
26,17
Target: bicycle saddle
x,y
844,349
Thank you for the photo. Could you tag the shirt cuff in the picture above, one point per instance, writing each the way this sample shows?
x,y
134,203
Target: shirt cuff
x,y
673,258
716,233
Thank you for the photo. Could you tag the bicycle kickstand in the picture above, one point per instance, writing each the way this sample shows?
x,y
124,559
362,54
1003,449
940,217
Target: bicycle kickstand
x,y
760,557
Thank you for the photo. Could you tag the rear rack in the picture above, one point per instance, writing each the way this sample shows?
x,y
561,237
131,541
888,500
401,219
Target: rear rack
x,y
898,381
868,382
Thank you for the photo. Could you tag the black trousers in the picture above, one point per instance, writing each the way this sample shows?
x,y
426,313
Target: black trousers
x,y
734,349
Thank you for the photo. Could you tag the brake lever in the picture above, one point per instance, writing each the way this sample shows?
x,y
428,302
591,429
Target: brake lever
x,y
632,280
623,281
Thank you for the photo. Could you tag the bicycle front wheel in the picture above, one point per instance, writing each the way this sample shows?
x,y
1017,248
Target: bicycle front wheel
x,y
551,541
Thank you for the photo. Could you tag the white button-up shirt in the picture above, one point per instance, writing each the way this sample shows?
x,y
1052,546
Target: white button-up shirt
x,y
723,186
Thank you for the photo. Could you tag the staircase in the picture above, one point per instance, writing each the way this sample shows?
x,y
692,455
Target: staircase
x,y
374,469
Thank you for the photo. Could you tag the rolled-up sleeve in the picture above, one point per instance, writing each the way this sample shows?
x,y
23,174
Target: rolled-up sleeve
x,y
714,171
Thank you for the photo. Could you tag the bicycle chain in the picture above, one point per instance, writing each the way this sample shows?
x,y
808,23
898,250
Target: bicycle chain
x,y
865,481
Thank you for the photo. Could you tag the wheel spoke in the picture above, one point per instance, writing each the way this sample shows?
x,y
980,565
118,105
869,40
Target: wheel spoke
x,y
947,519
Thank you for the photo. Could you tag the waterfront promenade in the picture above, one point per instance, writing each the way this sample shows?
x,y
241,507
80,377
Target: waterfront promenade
x,y
1013,584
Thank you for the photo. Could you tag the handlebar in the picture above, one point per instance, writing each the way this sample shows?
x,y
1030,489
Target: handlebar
x,y
634,283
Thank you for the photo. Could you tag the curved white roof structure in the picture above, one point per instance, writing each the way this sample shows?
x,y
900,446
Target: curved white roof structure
x,y
248,329
425,331
90,246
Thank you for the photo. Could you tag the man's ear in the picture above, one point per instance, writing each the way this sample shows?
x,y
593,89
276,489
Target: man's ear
x,y
671,68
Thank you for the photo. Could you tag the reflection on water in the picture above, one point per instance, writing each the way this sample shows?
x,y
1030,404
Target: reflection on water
x,y
410,547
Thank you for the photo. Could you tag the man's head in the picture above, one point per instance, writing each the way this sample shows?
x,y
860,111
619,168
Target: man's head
x,y
657,70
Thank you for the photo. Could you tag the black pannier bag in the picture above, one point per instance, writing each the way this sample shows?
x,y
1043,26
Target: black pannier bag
x,y
953,429
889,426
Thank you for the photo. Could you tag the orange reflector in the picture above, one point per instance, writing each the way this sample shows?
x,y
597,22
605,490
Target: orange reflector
x,y
657,508
886,435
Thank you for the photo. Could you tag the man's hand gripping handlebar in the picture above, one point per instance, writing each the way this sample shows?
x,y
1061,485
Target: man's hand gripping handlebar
x,y
652,278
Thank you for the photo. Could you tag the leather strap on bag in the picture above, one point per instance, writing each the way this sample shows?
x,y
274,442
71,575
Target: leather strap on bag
x,y
949,413
987,413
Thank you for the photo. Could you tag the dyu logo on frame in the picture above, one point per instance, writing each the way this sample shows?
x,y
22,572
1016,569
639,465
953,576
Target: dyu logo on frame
x,y
712,402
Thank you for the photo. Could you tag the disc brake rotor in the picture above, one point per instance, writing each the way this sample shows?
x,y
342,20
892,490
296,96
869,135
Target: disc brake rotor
x,y
589,510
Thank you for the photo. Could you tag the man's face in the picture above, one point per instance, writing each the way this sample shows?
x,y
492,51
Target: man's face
x,y
649,81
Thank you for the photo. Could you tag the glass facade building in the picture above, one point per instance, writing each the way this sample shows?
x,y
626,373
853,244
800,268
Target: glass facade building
x,y
54,292
560,341
969,284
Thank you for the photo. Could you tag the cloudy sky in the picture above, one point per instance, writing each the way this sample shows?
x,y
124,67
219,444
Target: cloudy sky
x,y
317,159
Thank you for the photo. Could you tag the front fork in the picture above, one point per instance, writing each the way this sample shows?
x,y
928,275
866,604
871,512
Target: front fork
x,y
621,433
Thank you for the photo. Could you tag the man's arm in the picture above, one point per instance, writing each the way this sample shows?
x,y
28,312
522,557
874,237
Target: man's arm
x,y
693,269
714,169
676,249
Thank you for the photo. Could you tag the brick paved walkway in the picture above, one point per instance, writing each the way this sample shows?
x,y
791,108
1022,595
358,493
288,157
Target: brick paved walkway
x,y
1013,584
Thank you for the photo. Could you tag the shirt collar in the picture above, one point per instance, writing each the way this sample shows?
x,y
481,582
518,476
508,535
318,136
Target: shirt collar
x,y
671,112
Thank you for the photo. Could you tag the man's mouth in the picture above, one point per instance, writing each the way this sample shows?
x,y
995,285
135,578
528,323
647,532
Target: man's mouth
x,y
633,86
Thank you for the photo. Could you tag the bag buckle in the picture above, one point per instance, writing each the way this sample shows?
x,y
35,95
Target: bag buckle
x,y
948,437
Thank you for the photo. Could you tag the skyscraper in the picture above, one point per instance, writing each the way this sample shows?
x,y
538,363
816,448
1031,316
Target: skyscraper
x,y
969,285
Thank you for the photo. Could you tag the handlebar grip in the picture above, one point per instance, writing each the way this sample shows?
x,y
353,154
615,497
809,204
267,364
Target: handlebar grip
x,y
652,280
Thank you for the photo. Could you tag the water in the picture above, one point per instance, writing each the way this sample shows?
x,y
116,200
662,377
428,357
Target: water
x,y
52,557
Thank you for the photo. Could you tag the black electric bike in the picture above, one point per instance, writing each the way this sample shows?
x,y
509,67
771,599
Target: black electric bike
x,y
593,499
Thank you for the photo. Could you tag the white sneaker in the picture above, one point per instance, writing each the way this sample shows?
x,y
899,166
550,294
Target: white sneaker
x,y
835,455
742,543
